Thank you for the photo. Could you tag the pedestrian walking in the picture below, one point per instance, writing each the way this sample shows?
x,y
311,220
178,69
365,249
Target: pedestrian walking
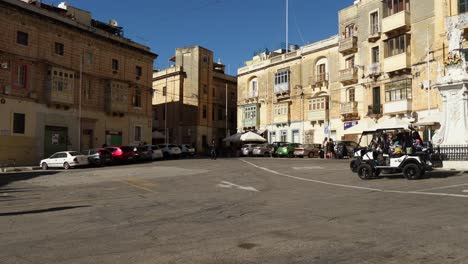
x,y
213,150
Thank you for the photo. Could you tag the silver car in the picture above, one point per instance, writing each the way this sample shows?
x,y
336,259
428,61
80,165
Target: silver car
x,y
264,150
246,149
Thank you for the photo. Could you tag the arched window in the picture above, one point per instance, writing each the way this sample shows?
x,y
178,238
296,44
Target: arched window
x,y
351,95
349,31
253,87
321,70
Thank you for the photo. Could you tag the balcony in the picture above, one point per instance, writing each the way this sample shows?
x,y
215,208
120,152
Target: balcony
x,y
348,76
375,110
251,97
396,107
319,80
374,33
348,45
349,108
398,62
60,87
374,70
251,122
117,98
318,115
400,20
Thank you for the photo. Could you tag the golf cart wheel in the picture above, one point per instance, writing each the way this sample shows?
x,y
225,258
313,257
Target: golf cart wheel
x,y
412,171
44,166
365,171
377,173
66,166
354,165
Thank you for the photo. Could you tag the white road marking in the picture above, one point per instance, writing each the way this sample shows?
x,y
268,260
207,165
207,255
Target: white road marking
x,y
356,187
465,191
442,187
225,184
308,168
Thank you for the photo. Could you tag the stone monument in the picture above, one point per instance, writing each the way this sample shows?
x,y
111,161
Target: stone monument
x,y
454,88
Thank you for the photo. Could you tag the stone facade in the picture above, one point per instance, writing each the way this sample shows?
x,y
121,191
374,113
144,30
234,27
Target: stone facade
x,y
47,56
191,95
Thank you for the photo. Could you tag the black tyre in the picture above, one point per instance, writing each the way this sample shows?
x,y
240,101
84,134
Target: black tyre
x,y
412,171
44,166
66,166
377,173
166,155
354,166
365,172
311,155
266,154
290,155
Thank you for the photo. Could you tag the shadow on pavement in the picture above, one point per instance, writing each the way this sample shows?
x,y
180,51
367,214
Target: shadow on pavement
x,y
54,209
428,175
7,178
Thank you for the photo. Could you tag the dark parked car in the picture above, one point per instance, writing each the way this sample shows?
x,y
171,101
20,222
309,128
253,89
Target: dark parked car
x,y
307,150
99,156
122,154
345,149
143,153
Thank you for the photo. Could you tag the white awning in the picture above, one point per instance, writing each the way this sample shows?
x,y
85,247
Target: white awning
x,y
158,135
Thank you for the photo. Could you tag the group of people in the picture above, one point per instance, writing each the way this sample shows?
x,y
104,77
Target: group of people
x,y
328,148
398,143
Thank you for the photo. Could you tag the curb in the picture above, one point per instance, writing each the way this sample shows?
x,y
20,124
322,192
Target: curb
x,y
18,169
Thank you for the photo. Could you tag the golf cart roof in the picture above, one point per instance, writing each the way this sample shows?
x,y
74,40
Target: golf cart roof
x,y
389,128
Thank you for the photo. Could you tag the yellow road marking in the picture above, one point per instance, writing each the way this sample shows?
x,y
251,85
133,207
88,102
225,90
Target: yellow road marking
x,y
140,181
137,186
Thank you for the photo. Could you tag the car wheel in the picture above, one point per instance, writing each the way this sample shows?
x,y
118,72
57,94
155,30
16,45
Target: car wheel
x,y
44,166
166,155
412,171
266,154
354,166
66,166
311,155
290,155
365,171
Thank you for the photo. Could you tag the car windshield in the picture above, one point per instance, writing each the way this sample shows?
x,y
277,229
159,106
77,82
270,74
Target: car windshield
x,y
126,148
74,153
172,146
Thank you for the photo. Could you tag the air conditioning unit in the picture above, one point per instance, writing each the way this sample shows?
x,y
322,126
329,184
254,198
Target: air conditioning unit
x,y
4,65
7,90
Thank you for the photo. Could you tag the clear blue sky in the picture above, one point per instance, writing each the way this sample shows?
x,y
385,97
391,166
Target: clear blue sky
x,y
233,29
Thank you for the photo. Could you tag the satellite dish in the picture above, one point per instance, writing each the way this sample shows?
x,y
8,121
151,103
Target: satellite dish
x,y
63,5
113,23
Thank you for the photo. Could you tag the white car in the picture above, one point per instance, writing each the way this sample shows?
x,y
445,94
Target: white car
x,y
65,159
187,150
170,150
156,152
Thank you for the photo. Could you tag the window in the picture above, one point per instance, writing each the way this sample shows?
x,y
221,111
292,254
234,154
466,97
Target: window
x,y
317,104
137,133
253,88
115,65
374,23
284,136
349,63
273,136
351,95
138,71
282,81
321,72
164,91
205,89
204,112
21,76
281,109
19,123
137,98
214,91
220,114
88,90
395,6
250,112
462,6
213,117
22,38
59,48
89,58
375,55
399,90
349,31
155,114
396,45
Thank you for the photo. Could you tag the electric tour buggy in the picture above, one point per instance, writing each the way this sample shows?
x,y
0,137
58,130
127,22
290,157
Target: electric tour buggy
x,y
394,150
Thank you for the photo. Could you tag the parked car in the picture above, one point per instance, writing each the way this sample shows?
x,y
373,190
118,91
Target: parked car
x,y
64,159
246,150
307,150
265,150
170,151
99,156
156,152
276,145
122,153
345,149
287,150
143,153
187,150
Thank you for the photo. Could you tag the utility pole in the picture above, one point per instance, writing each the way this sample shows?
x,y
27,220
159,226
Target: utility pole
x,y
165,112
287,25
79,103
226,117
428,81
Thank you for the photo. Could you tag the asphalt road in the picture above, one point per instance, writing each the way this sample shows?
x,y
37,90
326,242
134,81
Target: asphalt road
x,y
232,211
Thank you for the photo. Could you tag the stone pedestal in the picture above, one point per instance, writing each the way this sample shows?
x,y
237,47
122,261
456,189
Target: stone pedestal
x,y
454,91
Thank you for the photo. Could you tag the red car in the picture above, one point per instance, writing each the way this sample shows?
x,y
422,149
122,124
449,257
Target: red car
x,y
122,153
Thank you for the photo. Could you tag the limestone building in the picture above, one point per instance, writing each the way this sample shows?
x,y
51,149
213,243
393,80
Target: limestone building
x,y
191,98
68,82
285,95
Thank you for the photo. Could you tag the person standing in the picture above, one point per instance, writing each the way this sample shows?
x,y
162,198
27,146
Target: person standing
x,y
331,149
213,150
324,150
